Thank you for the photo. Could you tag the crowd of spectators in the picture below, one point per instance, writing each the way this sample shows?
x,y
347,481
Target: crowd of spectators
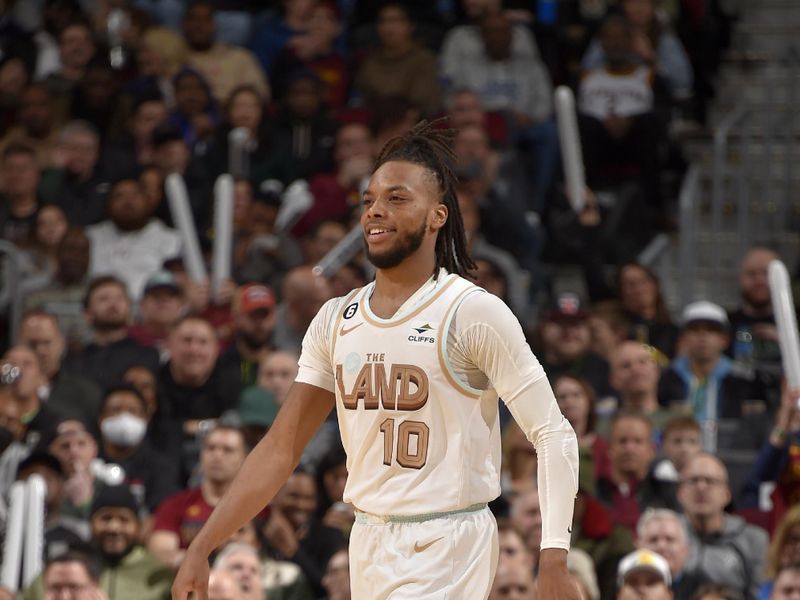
x,y
135,391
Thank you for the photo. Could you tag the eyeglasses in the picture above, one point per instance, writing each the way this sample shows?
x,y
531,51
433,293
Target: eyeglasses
x,y
709,481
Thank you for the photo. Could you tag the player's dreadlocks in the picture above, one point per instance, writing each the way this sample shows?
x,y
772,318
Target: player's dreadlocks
x,y
430,147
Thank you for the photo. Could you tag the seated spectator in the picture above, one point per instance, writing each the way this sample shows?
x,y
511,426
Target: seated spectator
x,y
242,562
634,375
526,519
581,570
321,240
577,403
513,582
784,549
160,53
512,546
63,296
681,439
195,113
565,344
135,144
257,411
12,448
284,30
627,489
132,243
644,574
276,373
776,460
67,391
19,202
316,50
223,66
713,591
76,47
122,421
609,326
336,580
705,373
36,124
111,351
72,573
161,306
293,533
653,45
144,380
24,376
60,529
510,80
192,394
77,183
722,547
253,323
662,531
97,98
304,132
754,336
39,258
337,194
399,66
129,572
640,295
180,517
303,294
787,583
616,118
519,465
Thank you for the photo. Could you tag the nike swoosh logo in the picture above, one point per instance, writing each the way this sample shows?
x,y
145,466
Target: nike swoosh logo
x,y
418,548
569,529
344,331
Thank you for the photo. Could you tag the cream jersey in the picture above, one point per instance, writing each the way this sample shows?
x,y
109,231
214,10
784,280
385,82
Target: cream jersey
x,y
416,399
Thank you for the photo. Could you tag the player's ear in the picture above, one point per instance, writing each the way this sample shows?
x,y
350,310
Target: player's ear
x,y
439,216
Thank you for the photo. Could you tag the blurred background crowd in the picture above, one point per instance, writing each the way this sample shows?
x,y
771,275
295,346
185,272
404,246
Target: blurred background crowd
x,y
136,392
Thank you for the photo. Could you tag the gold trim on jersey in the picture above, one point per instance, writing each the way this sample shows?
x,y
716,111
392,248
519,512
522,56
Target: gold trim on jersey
x,y
440,349
412,314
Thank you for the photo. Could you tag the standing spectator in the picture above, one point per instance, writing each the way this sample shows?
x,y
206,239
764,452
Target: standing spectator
x,y
253,324
78,184
723,547
19,203
399,66
180,517
643,302
303,295
67,391
626,489
132,243
754,336
644,574
662,531
123,420
129,572
63,296
704,374
223,66
161,306
653,45
293,533
111,350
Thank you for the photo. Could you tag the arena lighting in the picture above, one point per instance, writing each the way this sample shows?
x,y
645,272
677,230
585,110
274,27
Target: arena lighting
x,y
570,140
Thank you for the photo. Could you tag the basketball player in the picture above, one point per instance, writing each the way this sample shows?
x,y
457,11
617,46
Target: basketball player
x,y
414,363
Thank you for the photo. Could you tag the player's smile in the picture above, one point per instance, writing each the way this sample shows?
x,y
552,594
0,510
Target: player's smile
x,y
377,233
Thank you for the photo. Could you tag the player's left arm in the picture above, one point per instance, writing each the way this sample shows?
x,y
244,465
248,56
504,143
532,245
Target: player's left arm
x,y
491,337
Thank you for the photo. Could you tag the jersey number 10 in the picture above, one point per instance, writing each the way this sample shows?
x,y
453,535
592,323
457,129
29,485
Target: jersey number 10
x,y
408,433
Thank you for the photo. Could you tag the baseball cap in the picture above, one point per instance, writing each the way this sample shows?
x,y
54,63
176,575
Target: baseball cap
x,y
566,307
705,312
115,496
257,406
254,296
643,560
42,458
162,279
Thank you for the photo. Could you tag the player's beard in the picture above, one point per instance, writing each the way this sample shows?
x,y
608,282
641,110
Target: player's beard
x,y
405,247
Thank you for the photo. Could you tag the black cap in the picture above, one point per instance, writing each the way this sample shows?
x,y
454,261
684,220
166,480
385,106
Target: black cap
x,y
567,306
115,496
41,458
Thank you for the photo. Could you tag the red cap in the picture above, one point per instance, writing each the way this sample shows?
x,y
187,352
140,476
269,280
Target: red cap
x,y
254,296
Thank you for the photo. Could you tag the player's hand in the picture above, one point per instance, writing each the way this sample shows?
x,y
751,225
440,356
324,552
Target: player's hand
x,y
554,581
192,577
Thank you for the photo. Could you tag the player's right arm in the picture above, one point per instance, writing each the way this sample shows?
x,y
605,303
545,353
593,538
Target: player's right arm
x,y
307,404
261,476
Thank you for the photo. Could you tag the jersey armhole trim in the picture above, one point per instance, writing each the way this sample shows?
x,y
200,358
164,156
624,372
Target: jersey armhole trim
x,y
444,362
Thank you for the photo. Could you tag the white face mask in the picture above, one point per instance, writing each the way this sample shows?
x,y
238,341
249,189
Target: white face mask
x,y
124,429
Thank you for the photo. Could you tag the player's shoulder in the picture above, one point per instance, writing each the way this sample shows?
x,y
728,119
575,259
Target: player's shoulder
x,y
337,306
